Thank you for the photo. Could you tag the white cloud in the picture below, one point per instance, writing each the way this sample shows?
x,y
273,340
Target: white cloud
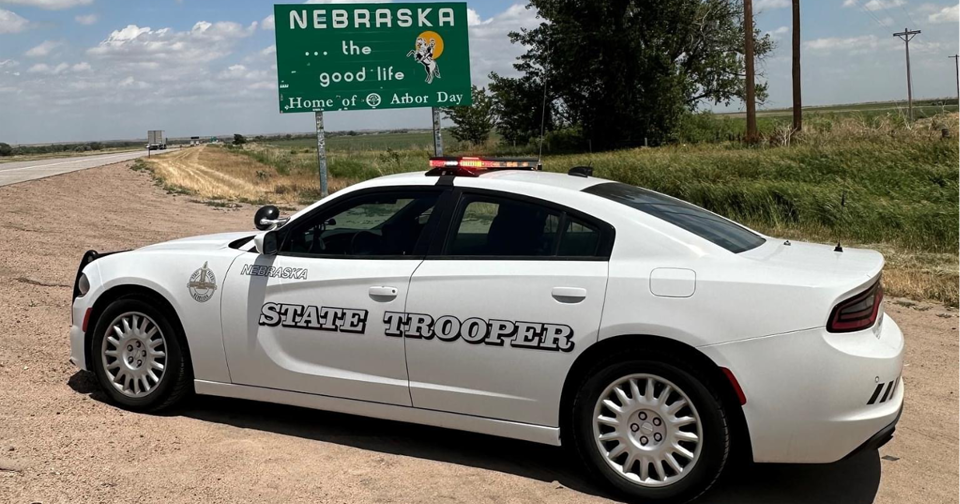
x,y
860,43
83,66
43,68
771,4
490,46
473,18
204,42
241,72
49,4
87,19
946,15
44,49
268,23
10,22
9,63
927,8
883,4
778,33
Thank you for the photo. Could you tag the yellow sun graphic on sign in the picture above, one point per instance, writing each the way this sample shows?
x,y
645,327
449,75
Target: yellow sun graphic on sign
x,y
429,36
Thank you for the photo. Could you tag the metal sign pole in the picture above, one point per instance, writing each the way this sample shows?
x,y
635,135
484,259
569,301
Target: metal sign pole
x,y
437,136
321,154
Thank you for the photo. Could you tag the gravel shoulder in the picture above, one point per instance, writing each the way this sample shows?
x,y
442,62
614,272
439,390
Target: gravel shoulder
x,y
60,442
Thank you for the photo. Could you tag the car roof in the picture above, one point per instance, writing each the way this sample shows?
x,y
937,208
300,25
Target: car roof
x,y
539,178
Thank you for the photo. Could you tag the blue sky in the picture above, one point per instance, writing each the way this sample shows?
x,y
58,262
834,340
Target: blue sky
x,y
107,69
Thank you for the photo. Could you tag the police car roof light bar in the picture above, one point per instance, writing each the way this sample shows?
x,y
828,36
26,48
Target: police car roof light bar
x,y
468,166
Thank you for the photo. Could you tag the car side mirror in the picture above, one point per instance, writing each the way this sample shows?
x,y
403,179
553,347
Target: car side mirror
x,y
268,217
266,243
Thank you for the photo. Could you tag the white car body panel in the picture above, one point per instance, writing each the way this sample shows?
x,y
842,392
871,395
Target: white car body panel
x,y
458,376
366,366
761,314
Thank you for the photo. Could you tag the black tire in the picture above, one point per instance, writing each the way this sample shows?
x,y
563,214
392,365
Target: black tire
x,y
175,381
715,442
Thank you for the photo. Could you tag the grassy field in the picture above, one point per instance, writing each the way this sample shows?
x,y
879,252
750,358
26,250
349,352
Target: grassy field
x,y
921,108
900,181
412,140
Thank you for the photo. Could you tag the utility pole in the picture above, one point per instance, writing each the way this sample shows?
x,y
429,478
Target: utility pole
x,y
321,154
956,64
797,102
748,57
906,36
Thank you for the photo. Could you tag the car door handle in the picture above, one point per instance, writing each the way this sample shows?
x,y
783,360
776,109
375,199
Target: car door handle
x,y
569,294
383,292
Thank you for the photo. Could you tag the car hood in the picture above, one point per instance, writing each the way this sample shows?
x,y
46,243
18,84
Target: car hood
x,y
203,242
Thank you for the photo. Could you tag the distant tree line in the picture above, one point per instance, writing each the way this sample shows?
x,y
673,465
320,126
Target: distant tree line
x,y
14,150
614,73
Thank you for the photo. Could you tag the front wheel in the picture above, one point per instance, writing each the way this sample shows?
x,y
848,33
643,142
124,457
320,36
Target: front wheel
x,y
651,428
137,356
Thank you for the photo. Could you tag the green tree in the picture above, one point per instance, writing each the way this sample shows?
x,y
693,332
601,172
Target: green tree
x,y
5,149
474,122
239,139
518,106
629,70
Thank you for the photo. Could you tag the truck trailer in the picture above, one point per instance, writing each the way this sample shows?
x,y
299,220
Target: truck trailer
x,y
156,140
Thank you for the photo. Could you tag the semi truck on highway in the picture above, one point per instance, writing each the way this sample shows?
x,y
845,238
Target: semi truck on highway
x,y
156,140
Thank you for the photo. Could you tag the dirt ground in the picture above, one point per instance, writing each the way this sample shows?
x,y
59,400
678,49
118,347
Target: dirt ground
x,y
60,442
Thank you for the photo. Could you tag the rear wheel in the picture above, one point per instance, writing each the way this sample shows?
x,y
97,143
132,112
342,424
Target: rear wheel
x,y
651,428
138,357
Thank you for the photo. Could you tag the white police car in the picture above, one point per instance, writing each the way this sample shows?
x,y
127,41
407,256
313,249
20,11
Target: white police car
x,y
652,336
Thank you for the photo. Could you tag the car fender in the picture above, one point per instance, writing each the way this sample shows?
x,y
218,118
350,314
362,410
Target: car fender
x,y
168,274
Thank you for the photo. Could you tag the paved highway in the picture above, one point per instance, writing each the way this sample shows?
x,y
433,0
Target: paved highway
x,y
21,171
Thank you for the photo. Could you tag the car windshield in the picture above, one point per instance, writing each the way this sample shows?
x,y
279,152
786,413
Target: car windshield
x,y
692,218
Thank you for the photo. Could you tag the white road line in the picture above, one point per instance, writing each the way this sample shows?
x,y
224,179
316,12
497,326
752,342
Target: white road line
x,y
75,160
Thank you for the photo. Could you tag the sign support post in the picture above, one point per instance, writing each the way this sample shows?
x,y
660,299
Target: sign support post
x,y
437,135
321,154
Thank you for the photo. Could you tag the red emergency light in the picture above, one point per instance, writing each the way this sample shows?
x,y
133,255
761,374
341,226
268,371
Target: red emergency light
x,y
474,166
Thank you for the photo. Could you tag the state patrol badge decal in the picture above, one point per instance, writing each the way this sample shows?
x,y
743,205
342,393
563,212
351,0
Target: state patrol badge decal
x,y
202,284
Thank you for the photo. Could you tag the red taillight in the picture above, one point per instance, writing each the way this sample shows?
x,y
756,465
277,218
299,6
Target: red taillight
x,y
736,385
86,319
858,312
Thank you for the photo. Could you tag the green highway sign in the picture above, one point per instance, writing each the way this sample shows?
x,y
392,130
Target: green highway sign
x,y
333,57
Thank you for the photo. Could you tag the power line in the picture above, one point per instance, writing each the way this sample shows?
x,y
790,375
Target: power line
x,y
905,11
882,26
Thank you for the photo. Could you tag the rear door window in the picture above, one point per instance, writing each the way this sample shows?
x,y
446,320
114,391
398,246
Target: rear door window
x,y
703,223
499,226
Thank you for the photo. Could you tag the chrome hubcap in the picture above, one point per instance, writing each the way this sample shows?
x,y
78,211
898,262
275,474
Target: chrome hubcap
x,y
134,354
647,430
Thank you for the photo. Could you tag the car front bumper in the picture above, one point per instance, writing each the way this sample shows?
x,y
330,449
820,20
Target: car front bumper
x,y
817,397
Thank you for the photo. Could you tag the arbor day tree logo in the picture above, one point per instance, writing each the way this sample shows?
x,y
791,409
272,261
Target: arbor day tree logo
x,y
426,50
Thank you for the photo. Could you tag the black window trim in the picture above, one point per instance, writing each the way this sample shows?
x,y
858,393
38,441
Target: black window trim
x,y
443,239
423,242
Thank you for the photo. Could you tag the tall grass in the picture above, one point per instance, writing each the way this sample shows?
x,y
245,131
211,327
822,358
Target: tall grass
x,y
901,184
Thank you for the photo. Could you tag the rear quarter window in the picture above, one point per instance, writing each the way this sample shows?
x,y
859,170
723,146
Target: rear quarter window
x,y
689,217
